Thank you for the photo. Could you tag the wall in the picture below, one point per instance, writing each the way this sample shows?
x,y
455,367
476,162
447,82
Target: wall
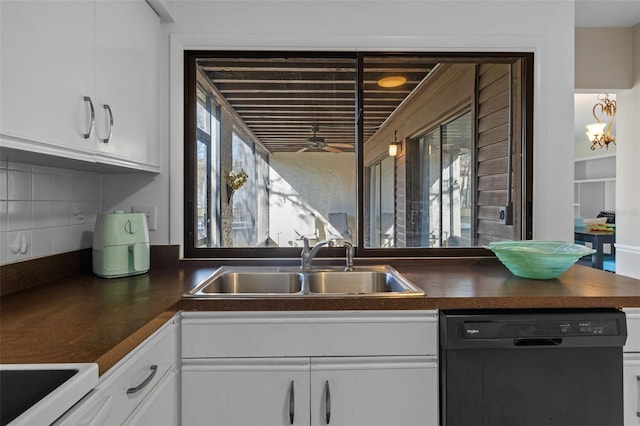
x,y
625,61
323,176
596,50
45,210
548,31
628,172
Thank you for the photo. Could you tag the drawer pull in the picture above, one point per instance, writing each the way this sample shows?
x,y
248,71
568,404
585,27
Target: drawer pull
x,y
292,403
327,402
638,382
107,108
154,370
92,117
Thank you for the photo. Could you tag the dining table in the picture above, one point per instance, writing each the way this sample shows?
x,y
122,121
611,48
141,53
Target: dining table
x,y
597,239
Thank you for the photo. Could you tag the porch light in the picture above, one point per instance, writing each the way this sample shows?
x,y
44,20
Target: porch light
x,y
394,147
392,81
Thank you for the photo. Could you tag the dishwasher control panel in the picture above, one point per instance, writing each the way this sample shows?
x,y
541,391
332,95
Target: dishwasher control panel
x,y
493,329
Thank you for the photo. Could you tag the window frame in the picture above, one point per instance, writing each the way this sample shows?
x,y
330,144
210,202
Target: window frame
x,y
191,251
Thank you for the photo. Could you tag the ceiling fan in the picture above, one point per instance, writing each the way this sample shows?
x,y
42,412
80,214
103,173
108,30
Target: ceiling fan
x,y
317,142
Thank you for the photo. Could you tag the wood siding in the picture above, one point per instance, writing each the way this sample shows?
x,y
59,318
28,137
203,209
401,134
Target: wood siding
x,y
494,112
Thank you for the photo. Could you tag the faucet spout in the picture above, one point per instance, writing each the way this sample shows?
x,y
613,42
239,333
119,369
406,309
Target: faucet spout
x,y
349,256
307,255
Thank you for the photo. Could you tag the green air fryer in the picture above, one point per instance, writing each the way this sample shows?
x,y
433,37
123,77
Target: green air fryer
x,y
120,244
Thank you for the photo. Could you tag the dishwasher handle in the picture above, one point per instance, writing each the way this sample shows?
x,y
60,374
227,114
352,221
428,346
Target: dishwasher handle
x,y
546,341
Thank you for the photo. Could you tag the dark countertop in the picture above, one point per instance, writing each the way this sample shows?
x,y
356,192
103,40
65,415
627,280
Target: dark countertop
x,y
89,319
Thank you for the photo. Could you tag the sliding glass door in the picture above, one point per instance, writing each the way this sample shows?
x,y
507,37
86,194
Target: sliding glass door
x,y
441,186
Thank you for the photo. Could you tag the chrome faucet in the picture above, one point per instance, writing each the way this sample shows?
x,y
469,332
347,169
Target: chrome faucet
x,y
349,256
307,255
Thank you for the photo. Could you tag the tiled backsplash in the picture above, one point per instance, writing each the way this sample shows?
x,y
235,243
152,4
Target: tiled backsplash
x,y
45,210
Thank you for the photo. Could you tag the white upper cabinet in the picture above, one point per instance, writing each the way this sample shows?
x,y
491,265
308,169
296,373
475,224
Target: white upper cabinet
x,y
126,70
79,80
47,70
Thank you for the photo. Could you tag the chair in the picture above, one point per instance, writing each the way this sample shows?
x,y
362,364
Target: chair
x,y
307,228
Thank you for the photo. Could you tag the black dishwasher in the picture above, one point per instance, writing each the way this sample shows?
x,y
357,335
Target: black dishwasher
x,y
531,367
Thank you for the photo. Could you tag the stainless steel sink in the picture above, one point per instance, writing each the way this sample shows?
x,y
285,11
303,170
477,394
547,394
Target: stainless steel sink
x,y
234,282
357,282
257,281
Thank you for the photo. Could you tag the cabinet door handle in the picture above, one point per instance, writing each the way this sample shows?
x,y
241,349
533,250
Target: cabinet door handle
x,y
327,401
145,382
92,116
292,402
638,383
110,114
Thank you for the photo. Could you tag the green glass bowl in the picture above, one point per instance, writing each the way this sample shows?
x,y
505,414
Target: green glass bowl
x,y
538,259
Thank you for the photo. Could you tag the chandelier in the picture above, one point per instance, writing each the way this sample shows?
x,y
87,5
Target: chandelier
x,y
599,133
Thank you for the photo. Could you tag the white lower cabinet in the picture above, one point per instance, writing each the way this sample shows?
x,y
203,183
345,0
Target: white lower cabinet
x,y
371,391
162,407
142,388
631,369
631,389
245,391
310,368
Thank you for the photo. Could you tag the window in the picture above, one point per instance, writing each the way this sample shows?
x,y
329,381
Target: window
x,y
442,186
311,132
207,210
380,202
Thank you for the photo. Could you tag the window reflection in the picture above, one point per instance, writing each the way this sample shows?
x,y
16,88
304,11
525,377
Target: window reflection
x,y
299,124
289,123
380,181
442,187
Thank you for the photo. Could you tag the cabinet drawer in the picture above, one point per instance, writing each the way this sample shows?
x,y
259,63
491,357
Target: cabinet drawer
x,y
123,387
633,330
309,333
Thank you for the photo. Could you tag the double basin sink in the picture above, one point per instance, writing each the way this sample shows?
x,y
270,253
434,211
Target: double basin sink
x,y
259,281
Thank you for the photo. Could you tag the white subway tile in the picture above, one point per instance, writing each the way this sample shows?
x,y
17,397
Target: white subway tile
x,y
3,248
83,188
42,170
93,188
62,187
84,212
78,213
60,213
3,216
18,246
92,210
61,239
42,214
3,184
45,210
19,166
81,237
19,215
41,242
87,236
18,185
42,186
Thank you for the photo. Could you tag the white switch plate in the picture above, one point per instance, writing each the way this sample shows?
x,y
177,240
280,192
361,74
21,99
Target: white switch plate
x,y
150,211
